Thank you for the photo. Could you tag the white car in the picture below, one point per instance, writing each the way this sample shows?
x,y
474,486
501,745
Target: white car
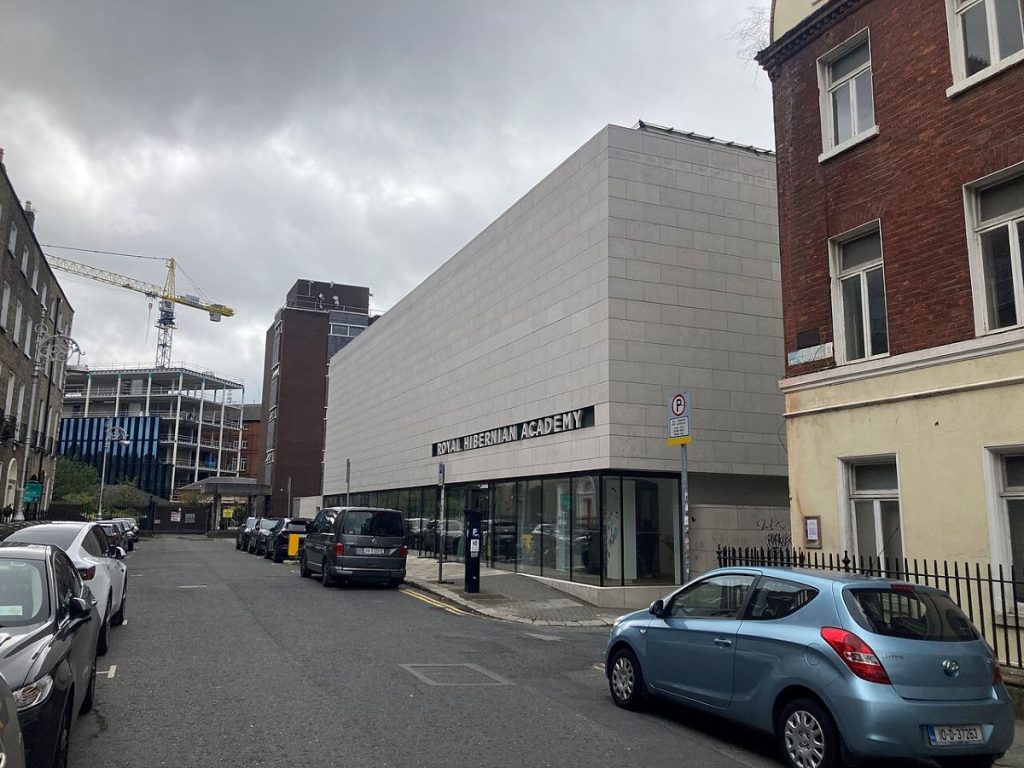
x,y
102,567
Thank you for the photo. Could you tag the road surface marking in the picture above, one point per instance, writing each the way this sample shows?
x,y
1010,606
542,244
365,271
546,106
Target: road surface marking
x,y
108,672
191,586
549,638
435,603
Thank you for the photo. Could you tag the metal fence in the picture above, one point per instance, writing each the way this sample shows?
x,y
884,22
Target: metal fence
x,y
988,594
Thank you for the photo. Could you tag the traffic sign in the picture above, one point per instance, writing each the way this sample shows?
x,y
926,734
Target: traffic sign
x,y
679,419
33,492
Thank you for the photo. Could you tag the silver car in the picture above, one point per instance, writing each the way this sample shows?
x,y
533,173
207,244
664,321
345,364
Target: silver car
x,y
347,544
833,664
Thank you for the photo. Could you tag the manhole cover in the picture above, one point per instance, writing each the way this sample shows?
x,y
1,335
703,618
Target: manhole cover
x,y
454,674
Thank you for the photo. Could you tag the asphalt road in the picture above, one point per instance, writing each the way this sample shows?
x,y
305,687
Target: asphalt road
x,y
229,660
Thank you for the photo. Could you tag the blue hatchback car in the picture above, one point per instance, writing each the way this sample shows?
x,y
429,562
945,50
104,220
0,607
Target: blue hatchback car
x,y
837,666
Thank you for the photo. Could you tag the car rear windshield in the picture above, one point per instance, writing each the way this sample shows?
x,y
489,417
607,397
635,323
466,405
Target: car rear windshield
x,y
909,613
373,522
24,598
44,534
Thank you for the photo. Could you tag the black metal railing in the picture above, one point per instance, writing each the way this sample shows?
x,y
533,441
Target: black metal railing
x,y
992,596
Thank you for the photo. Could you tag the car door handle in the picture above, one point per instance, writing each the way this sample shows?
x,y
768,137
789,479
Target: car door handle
x,y
722,642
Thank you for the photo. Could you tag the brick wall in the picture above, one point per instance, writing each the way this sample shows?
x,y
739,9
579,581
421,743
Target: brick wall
x,y
910,176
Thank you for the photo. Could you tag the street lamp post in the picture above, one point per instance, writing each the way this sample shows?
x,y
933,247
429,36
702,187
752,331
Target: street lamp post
x,y
49,347
113,434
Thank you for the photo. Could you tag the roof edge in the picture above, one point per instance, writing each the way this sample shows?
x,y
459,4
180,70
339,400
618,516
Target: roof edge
x,y
772,57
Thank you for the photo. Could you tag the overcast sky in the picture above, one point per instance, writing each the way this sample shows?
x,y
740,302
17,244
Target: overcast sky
x,y
261,141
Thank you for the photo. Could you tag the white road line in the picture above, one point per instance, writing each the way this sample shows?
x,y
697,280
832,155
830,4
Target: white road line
x,y
549,638
108,672
191,586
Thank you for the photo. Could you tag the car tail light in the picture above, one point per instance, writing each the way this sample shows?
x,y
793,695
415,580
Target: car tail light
x,y
339,549
856,654
997,670
903,588
87,573
404,552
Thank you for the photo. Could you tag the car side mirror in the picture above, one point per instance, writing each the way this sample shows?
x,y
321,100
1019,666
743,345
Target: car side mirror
x,y
79,610
118,553
657,608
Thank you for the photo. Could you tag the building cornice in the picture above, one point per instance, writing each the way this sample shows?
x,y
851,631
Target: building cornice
x,y
961,351
772,57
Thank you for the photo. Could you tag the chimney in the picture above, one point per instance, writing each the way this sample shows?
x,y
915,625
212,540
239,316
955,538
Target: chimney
x,y
30,215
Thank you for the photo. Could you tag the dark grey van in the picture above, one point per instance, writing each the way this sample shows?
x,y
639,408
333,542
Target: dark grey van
x,y
355,544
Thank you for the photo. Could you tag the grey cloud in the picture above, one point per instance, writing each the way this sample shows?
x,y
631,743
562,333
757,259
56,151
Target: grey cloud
x,y
259,142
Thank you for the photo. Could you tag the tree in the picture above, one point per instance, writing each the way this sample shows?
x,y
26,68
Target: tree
x,y
752,34
75,482
123,499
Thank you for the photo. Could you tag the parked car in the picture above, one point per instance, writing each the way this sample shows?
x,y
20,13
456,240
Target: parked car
x,y
831,663
12,747
258,538
100,566
114,533
244,531
355,544
127,536
49,654
277,546
133,528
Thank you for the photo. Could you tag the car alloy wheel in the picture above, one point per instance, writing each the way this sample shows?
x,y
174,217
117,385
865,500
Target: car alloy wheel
x,y
60,755
625,680
118,618
325,575
90,692
808,737
103,641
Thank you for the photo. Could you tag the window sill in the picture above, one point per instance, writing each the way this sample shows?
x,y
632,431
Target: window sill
x,y
876,358
860,138
985,74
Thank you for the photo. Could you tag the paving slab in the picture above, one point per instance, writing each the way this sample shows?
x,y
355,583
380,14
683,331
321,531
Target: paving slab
x,y
505,595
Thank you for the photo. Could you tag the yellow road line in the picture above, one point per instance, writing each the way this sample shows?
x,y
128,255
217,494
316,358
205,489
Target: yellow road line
x,y
435,603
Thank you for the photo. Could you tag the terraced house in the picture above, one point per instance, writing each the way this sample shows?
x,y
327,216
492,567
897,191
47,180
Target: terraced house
x,y
901,207
33,308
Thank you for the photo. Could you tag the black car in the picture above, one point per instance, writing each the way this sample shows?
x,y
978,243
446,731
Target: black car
x,y
49,625
244,532
258,538
280,537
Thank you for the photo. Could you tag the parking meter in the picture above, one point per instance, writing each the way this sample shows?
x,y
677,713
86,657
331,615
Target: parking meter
x,y
473,535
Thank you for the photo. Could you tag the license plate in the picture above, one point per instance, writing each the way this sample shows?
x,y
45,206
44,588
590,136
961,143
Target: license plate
x,y
951,735
373,550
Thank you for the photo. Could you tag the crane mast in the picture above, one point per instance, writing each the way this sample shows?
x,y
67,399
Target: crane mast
x,y
165,296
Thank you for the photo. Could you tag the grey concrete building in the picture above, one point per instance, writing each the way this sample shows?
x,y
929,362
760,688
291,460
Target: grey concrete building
x,y
33,308
181,425
647,262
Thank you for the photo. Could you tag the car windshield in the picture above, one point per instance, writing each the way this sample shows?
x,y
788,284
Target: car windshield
x,y
24,598
58,536
373,522
909,613
268,523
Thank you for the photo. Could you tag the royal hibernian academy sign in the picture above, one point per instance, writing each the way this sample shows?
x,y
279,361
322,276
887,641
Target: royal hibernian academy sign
x,y
568,421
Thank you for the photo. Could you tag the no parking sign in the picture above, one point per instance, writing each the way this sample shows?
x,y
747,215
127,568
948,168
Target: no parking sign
x,y
679,419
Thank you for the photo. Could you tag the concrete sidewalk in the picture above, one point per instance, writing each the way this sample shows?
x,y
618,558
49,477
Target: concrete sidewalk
x,y
506,596
1015,755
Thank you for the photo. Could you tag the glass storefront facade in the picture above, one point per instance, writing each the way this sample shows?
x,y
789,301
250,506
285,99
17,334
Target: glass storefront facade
x,y
605,529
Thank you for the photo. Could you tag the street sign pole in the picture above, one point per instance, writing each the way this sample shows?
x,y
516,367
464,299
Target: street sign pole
x,y
441,529
684,506
679,434
348,482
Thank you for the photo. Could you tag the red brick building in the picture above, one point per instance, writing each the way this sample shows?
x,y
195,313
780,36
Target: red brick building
x,y
900,141
250,462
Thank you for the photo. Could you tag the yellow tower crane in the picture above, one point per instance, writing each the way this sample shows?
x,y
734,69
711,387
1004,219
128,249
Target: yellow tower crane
x,y
166,322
